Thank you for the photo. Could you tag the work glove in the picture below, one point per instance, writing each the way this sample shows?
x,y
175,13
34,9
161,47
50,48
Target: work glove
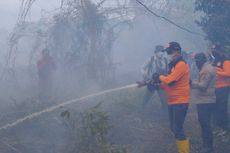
x,y
219,69
153,86
190,82
141,84
154,83
156,78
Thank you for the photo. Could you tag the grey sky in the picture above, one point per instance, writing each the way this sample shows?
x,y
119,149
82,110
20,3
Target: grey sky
x,y
9,11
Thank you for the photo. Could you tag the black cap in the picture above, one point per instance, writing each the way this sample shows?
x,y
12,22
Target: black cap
x,y
172,47
200,57
159,48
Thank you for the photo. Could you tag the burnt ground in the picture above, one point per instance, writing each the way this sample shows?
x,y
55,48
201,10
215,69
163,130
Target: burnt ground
x,y
146,130
140,130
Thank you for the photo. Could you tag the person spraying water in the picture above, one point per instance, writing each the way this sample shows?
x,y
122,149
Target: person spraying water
x,y
177,89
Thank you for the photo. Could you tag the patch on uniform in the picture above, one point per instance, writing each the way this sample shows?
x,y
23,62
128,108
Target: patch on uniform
x,y
219,64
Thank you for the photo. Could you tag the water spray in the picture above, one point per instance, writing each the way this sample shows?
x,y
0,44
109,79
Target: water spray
x,y
55,107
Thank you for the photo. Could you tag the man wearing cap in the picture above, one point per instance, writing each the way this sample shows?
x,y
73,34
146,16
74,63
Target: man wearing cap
x,y
156,64
177,88
222,65
204,96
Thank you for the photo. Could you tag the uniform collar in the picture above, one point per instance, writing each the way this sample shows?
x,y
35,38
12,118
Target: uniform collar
x,y
174,62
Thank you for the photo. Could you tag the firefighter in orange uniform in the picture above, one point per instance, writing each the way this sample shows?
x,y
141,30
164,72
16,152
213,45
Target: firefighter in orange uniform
x,y
222,65
177,89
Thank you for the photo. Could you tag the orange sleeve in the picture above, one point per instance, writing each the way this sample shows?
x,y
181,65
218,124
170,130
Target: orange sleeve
x,y
225,72
178,72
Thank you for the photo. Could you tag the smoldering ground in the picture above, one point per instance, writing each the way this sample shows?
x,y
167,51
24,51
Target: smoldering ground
x,y
119,118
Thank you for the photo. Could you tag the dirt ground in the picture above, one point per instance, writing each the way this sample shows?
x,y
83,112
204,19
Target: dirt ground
x,y
147,130
140,130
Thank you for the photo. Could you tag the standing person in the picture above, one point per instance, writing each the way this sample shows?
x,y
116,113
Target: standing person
x,y
222,65
177,89
156,64
205,99
45,67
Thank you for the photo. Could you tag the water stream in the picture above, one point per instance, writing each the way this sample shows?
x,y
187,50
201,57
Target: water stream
x,y
55,107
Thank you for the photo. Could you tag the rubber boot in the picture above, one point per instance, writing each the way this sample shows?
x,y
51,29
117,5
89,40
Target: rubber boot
x,y
183,146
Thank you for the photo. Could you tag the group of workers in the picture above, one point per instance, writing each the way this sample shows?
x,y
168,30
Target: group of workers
x,y
170,77
210,89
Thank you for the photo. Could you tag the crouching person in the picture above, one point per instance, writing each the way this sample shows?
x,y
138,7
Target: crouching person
x,y
205,99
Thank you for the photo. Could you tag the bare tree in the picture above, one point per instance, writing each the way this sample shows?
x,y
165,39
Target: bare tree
x,y
87,31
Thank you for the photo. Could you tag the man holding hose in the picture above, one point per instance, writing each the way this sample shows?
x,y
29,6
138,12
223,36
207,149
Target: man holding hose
x,y
177,89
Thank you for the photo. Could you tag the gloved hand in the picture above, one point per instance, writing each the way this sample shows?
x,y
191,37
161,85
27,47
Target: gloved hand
x,y
156,78
190,82
153,86
141,84
219,69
